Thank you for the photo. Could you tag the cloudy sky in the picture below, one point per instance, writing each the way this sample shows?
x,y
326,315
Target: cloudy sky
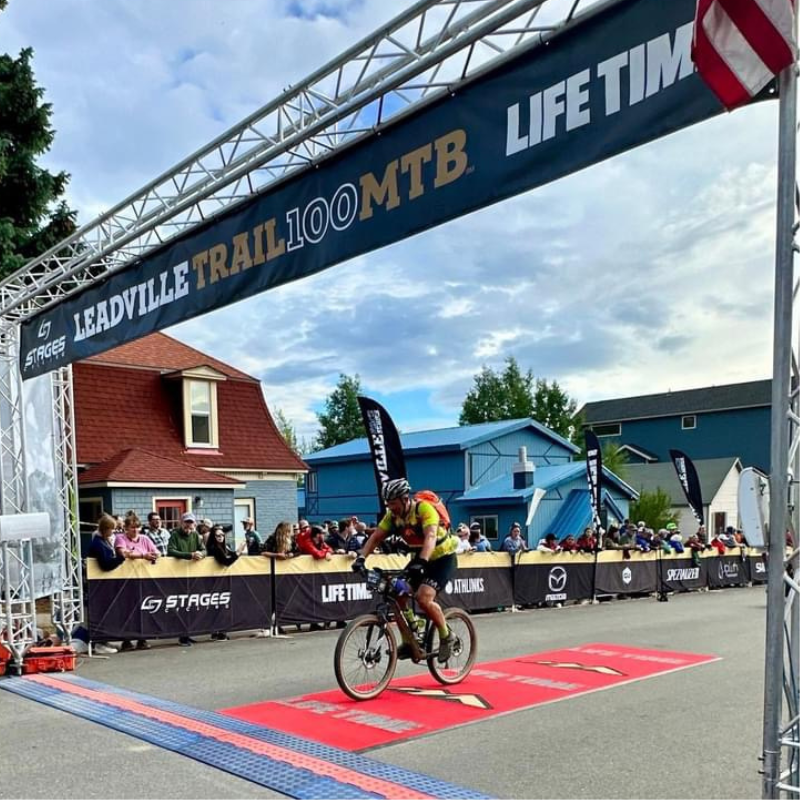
x,y
647,273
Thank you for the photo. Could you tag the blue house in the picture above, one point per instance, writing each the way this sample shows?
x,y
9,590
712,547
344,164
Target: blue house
x,y
495,473
715,422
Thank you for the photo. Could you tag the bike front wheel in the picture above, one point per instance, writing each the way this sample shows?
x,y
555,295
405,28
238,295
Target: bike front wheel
x,y
464,649
365,657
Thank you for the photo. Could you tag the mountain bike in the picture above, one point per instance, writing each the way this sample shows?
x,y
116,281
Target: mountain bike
x,y
366,651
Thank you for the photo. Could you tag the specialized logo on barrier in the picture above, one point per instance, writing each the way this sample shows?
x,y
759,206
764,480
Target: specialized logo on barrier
x,y
627,576
725,570
465,586
557,581
470,700
46,350
683,574
185,602
761,567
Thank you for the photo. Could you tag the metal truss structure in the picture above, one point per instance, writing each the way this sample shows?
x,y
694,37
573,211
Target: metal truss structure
x,y
431,49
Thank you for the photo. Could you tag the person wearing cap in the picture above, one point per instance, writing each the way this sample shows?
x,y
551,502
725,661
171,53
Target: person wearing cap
x,y
186,543
514,543
338,534
204,529
478,542
252,537
462,531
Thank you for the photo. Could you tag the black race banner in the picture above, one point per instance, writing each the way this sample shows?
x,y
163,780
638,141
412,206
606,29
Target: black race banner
x,y
619,78
178,598
757,568
684,574
384,444
636,575
594,472
690,483
726,571
482,582
541,578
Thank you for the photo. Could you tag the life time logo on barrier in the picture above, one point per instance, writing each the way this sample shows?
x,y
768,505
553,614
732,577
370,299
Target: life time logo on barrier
x,y
185,602
339,592
557,582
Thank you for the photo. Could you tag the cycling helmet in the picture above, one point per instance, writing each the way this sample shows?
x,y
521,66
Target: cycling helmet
x,y
399,487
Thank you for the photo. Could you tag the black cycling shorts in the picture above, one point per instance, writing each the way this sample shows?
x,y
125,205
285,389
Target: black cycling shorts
x,y
439,572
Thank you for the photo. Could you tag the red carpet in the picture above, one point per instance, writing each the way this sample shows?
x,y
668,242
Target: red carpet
x,y
418,704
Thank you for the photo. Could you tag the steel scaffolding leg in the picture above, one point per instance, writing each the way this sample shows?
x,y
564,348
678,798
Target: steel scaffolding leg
x,y
780,670
67,605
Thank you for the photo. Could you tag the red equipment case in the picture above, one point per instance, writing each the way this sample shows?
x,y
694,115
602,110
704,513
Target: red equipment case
x,y
48,659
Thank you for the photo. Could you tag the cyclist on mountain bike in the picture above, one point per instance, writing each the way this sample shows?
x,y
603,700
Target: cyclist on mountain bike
x,y
433,549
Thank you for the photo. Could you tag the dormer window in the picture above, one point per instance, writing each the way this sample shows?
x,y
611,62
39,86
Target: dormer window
x,y
199,396
201,407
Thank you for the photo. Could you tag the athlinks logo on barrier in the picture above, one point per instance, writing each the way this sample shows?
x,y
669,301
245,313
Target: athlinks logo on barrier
x,y
465,586
185,602
557,581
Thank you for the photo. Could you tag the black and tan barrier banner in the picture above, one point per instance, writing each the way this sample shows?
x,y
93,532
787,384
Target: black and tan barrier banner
x,y
684,574
542,578
178,598
726,571
618,575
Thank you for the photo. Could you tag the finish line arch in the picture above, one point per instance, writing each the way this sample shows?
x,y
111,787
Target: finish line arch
x,y
254,210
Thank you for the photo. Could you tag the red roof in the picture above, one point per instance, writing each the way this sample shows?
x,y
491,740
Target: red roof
x,y
162,352
119,405
140,466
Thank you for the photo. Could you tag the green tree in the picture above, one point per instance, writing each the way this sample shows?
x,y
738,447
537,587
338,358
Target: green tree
x,y
341,421
286,430
654,509
33,218
554,408
512,394
614,459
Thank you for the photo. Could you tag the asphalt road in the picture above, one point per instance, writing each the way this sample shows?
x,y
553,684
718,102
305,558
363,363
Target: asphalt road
x,y
688,734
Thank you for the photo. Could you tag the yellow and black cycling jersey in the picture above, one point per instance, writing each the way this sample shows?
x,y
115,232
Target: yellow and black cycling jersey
x,y
412,526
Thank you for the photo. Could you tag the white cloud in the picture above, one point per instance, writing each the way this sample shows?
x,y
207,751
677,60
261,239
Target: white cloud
x,y
649,272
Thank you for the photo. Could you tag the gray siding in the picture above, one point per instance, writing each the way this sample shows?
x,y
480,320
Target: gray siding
x,y
217,503
275,501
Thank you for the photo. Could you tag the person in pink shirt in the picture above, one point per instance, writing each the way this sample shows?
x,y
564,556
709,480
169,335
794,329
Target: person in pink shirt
x,y
130,545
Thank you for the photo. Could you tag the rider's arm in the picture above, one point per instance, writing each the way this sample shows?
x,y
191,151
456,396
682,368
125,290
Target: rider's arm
x,y
431,533
377,536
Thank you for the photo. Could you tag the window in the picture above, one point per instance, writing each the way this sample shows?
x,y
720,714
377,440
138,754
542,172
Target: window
x,y
200,412
614,429
689,423
170,509
488,525
90,509
720,520
311,482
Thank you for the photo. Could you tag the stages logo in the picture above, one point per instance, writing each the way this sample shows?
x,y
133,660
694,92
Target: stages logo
x,y
45,351
557,581
185,602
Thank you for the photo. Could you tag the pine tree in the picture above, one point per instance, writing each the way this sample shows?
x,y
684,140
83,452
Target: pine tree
x,y
32,217
341,421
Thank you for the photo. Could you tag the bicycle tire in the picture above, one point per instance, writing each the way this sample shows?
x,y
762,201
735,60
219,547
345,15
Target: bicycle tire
x,y
465,650
365,646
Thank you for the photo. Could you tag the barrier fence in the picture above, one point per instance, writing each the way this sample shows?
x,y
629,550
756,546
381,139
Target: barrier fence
x,y
181,598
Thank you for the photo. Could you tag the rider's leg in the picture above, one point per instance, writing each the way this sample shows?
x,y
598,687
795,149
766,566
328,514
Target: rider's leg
x,y
426,597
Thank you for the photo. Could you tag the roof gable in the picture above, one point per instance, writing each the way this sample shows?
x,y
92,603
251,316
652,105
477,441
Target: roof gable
x,y
690,401
459,437
710,471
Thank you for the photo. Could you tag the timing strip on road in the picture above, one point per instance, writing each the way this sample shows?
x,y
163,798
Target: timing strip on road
x,y
285,763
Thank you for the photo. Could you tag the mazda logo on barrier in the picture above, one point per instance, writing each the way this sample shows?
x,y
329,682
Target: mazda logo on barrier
x,y
557,579
627,575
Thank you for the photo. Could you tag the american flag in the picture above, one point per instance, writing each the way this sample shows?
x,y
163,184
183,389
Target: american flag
x,y
739,46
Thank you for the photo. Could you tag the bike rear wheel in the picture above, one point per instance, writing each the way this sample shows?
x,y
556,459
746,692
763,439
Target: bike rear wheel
x,y
365,657
464,651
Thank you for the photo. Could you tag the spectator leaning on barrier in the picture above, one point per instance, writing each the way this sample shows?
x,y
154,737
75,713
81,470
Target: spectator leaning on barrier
x,y
185,542
337,536
462,531
281,542
514,543
549,545
158,536
568,544
217,548
254,544
312,542
133,545
586,541
358,537
204,529
101,548
478,542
